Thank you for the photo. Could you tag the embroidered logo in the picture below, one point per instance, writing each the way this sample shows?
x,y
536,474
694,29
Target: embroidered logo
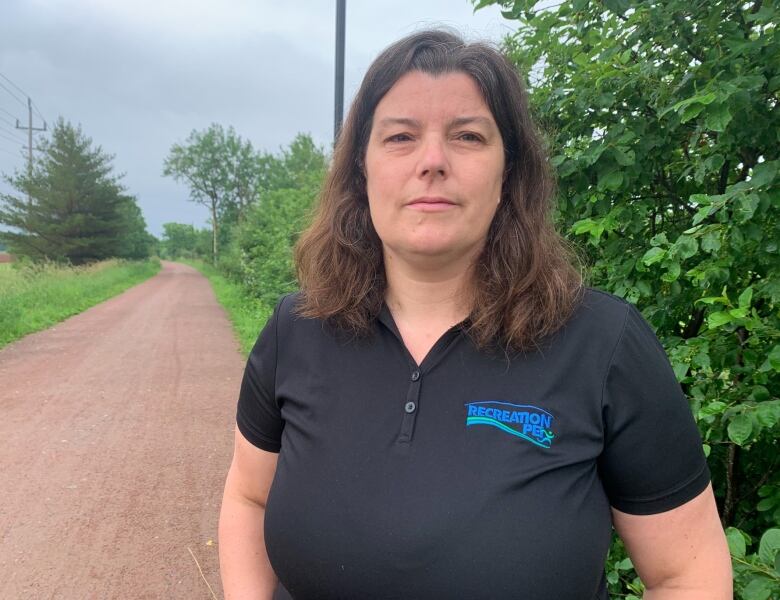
x,y
528,422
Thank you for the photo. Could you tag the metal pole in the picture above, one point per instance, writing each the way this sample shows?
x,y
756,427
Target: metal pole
x,y
29,148
341,10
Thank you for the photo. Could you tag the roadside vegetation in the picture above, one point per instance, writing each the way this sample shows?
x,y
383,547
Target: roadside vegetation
x,y
37,295
246,313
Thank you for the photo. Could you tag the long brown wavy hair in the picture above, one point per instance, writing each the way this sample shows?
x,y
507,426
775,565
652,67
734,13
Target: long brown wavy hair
x,y
525,286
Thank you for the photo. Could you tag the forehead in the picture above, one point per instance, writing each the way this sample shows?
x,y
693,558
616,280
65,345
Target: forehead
x,y
419,95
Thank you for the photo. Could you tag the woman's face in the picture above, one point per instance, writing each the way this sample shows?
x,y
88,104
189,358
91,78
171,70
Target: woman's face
x,y
434,167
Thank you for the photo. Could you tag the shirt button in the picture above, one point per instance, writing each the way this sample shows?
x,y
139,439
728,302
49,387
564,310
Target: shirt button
x,y
410,406
415,377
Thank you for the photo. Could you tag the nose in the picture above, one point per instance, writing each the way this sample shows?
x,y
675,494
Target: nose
x,y
433,158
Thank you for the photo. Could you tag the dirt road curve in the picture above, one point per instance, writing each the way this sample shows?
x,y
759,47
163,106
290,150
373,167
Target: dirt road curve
x,y
116,431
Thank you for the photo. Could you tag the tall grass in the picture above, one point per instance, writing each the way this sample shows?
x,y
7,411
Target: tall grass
x,y
247,314
35,296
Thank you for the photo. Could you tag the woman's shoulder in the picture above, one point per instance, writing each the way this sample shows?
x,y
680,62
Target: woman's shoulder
x,y
599,317
601,307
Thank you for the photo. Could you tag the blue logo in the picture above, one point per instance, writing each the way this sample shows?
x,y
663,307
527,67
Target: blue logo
x,y
528,422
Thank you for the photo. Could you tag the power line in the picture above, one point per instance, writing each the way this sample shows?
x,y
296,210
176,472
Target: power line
x,y
13,95
11,133
25,94
9,114
11,139
13,84
38,112
17,155
7,122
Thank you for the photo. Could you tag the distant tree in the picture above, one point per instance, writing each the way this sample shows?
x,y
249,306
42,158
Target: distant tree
x,y
260,253
135,242
76,209
221,170
185,241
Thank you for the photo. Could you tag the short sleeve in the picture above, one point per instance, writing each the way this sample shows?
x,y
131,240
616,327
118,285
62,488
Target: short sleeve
x,y
652,459
258,416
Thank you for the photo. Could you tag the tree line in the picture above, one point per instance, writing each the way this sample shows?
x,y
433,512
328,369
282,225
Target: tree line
x,y
71,206
258,201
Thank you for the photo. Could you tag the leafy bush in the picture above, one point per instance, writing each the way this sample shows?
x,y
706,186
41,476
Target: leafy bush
x,y
664,131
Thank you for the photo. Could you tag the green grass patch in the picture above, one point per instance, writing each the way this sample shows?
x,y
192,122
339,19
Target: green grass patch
x,y
247,314
34,296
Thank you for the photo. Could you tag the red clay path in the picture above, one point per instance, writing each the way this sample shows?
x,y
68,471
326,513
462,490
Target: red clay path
x,y
116,432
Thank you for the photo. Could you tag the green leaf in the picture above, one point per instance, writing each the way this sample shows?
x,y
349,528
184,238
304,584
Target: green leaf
x,y
707,449
625,564
653,256
610,181
745,297
717,319
739,429
710,241
659,240
746,207
717,117
625,157
736,542
764,173
617,6
774,358
768,413
759,588
680,370
672,271
713,408
691,112
685,247
769,546
714,162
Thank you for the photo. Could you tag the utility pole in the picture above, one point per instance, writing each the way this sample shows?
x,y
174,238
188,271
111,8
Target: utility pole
x,y
341,9
30,130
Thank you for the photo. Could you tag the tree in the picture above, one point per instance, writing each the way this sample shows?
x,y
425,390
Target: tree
x,y
76,211
135,243
185,241
220,169
260,254
664,132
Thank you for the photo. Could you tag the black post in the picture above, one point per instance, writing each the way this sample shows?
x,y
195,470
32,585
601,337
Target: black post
x,y
341,10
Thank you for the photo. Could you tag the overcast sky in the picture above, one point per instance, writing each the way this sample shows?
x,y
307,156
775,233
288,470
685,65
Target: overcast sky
x,y
140,75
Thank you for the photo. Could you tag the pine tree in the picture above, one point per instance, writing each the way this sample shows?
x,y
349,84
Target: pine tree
x,y
71,208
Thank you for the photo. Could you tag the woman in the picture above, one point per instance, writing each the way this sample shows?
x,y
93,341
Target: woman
x,y
453,414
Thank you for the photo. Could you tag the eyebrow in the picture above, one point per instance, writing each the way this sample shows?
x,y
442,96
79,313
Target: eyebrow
x,y
460,121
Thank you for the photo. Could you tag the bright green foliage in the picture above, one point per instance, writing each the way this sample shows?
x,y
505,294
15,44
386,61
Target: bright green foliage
x,y
665,134
221,170
76,210
245,312
34,296
260,255
185,241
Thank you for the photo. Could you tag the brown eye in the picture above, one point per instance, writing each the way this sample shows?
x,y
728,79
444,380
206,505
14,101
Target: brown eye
x,y
399,137
468,136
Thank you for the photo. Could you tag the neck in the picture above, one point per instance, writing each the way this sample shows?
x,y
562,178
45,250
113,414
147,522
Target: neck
x,y
428,292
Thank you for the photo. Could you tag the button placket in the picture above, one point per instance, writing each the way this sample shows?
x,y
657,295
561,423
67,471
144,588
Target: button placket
x,y
410,408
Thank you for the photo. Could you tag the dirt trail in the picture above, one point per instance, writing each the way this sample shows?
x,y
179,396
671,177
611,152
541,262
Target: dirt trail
x,y
116,432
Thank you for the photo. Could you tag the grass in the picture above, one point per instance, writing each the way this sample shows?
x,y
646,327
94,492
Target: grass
x,y
247,315
35,296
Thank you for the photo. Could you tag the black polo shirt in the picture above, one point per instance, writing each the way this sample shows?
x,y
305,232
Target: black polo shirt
x,y
473,475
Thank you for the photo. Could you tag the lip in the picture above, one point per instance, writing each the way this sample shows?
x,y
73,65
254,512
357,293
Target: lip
x,y
431,204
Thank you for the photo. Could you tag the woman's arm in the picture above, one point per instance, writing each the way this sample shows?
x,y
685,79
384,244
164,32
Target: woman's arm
x,y
680,554
244,566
